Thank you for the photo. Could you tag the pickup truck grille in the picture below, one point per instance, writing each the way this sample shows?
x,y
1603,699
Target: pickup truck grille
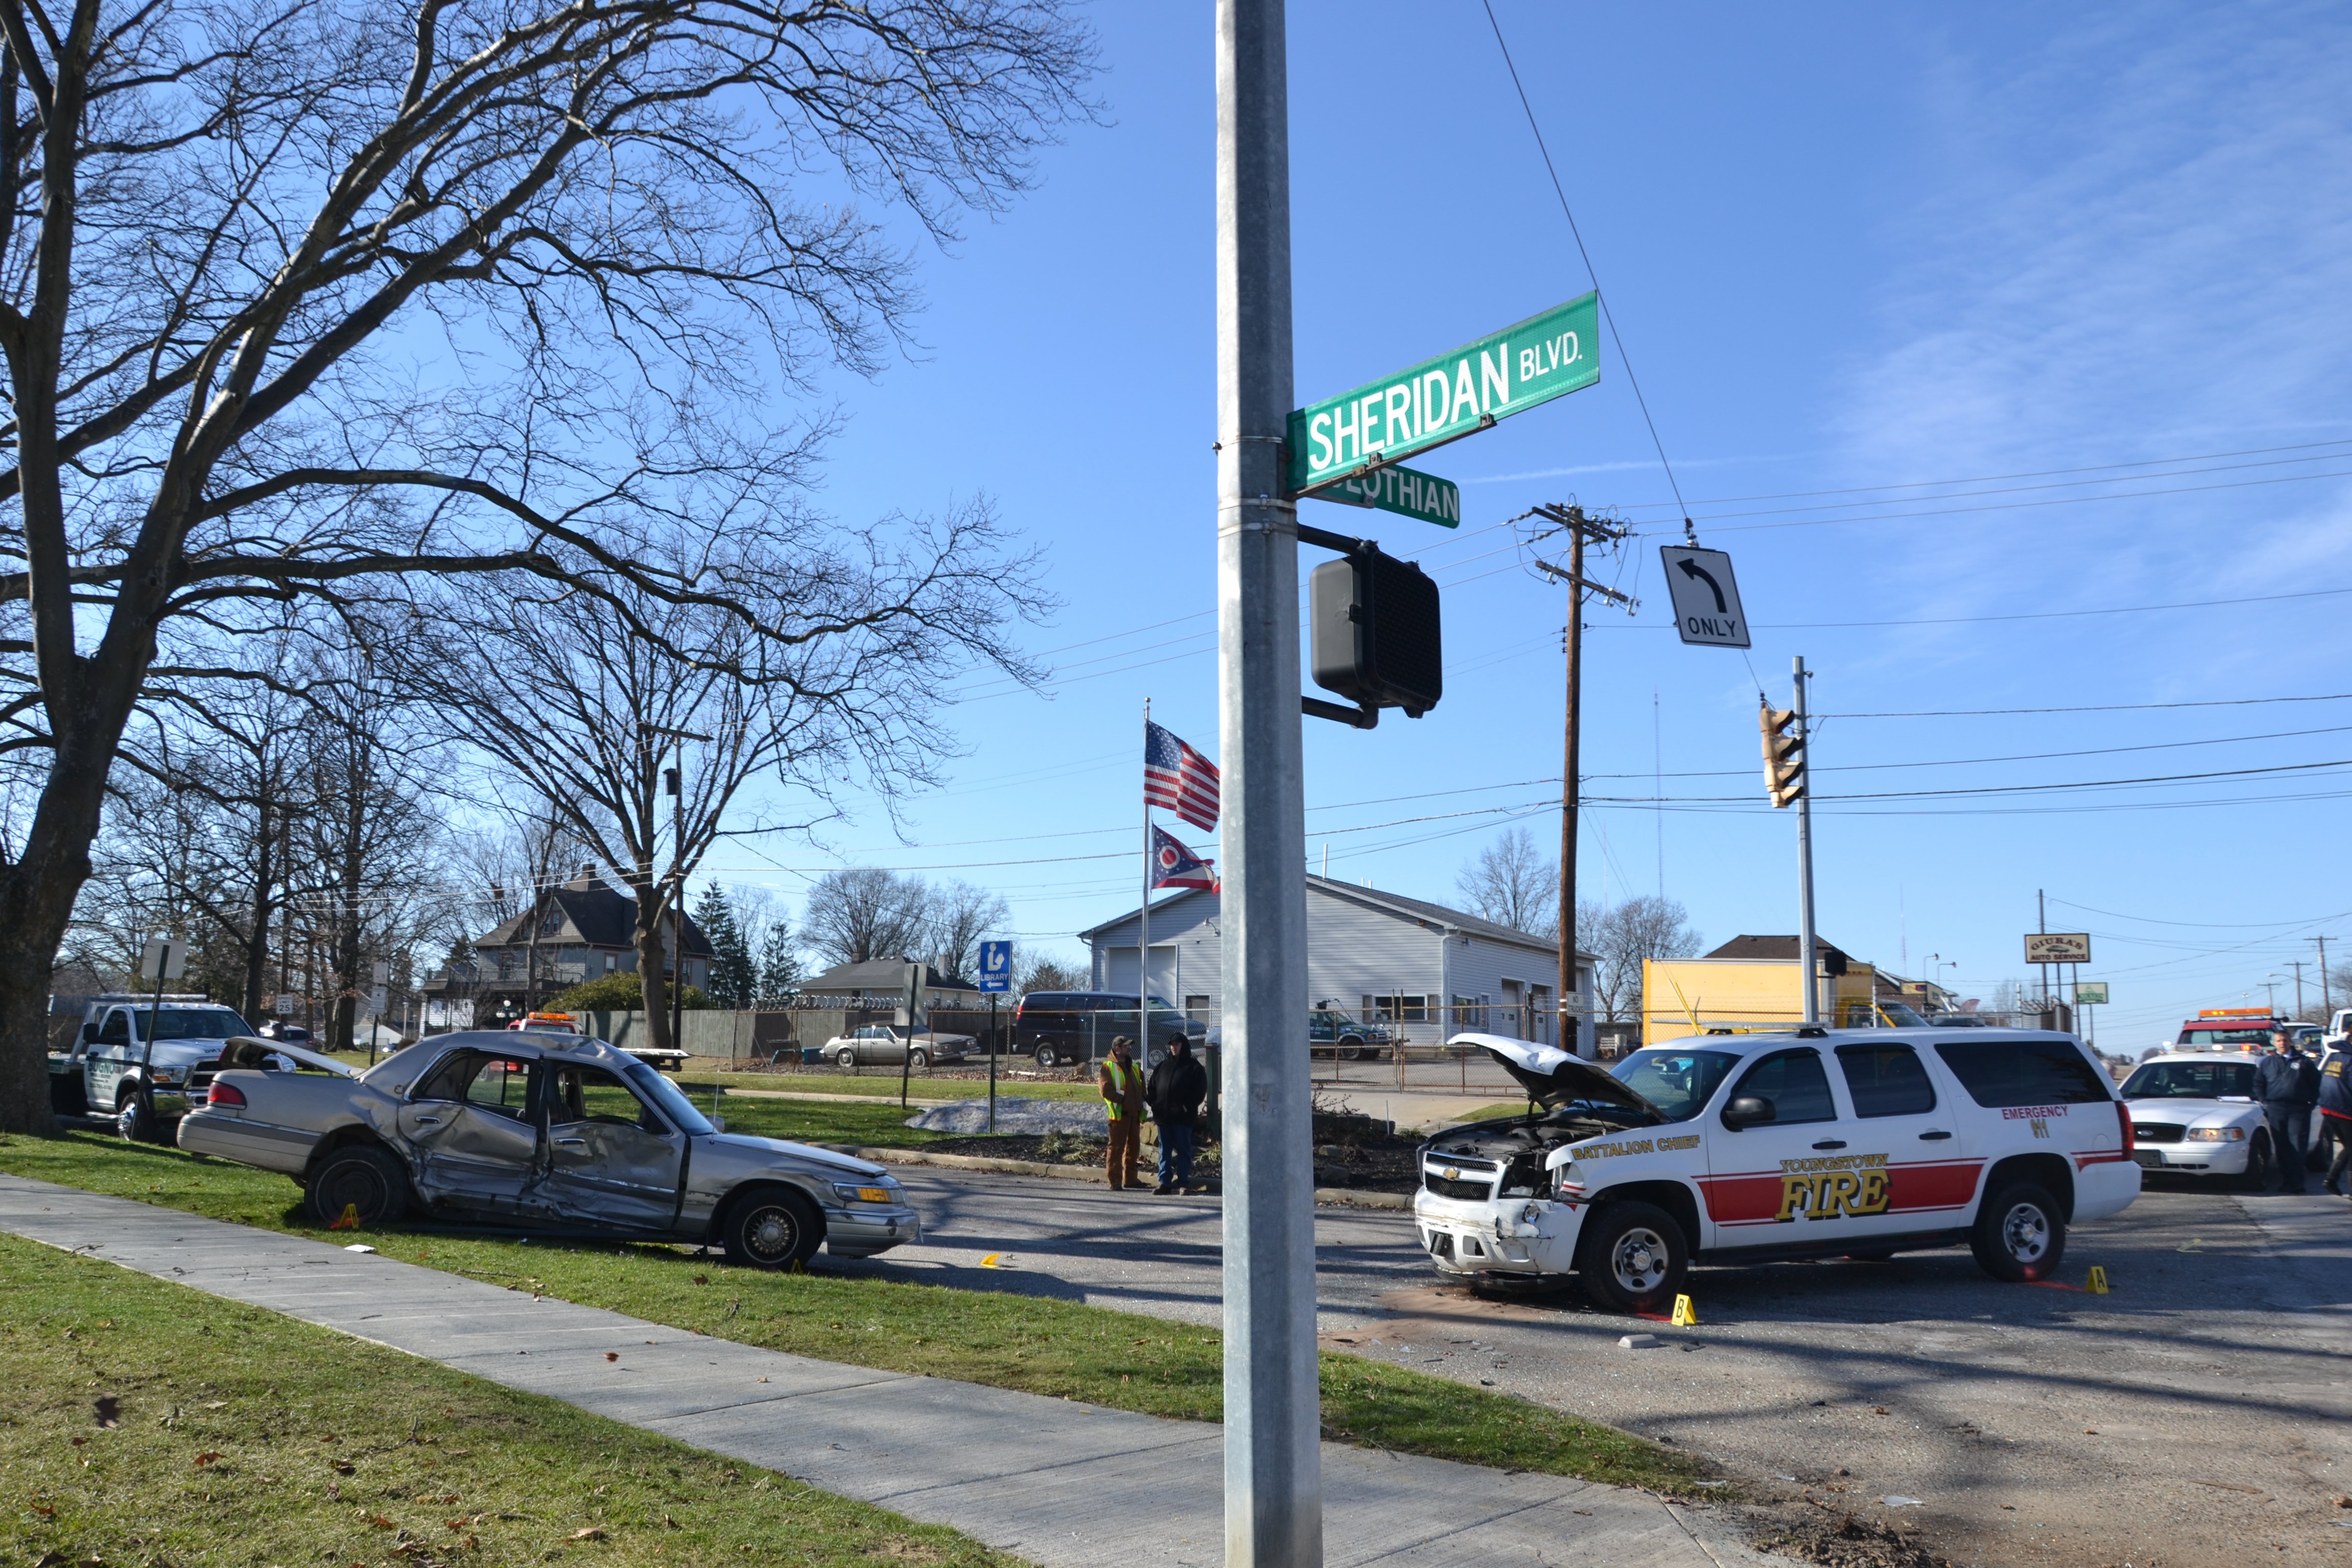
x,y
1459,1187
2156,1132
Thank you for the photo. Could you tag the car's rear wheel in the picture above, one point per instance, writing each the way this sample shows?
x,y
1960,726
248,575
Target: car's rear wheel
x,y
846,1057
772,1227
1047,1056
2020,1234
364,1180
2262,1165
1633,1257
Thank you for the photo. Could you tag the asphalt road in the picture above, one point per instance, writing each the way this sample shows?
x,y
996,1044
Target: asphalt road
x,y
2201,1412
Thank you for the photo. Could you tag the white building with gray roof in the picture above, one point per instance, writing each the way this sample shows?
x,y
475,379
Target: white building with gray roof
x,y
1430,970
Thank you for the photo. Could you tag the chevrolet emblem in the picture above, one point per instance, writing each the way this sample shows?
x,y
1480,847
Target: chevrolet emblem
x,y
1452,1172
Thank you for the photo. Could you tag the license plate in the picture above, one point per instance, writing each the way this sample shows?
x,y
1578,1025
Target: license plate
x,y
2149,1159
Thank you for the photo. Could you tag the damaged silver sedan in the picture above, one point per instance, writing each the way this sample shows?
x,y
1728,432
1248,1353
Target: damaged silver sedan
x,y
551,1133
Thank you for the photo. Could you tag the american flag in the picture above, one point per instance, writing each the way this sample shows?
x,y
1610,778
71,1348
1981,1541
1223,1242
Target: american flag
x,y
1180,778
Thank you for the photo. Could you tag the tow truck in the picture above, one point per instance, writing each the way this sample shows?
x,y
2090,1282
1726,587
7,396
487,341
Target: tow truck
x,y
2229,1029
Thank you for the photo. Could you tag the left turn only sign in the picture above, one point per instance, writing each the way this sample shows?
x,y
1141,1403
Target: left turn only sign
x,y
1706,599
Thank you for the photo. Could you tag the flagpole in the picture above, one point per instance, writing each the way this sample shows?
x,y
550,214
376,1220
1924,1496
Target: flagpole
x,y
1143,918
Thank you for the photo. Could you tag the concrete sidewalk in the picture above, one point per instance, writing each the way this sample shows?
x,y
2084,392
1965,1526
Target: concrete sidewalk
x,y
1062,1484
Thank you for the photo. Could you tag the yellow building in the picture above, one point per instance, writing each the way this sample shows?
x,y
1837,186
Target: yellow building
x,y
1751,984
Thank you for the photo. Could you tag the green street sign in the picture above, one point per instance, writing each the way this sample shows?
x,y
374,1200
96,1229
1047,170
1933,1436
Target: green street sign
x,y
2091,992
1403,491
1444,398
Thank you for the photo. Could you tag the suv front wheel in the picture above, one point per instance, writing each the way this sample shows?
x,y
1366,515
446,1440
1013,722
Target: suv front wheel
x,y
2020,1234
1633,1258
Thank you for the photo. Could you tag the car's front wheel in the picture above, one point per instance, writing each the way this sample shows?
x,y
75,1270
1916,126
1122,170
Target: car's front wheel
x,y
361,1181
773,1228
133,1120
918,1058
1633,1257
846,1057
2020,1234
2262,1165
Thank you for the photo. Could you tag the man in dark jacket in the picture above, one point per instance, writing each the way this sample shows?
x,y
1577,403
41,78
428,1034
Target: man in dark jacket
x,y
2336,1112
2287,1083
1178,1086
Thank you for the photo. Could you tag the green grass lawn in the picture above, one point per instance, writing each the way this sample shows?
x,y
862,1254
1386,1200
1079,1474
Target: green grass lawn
x,y
821,1121
242,1436
1121,1360
1493,1112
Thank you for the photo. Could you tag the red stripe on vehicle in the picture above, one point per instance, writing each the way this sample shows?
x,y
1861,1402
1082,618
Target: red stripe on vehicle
x,y
1940,1184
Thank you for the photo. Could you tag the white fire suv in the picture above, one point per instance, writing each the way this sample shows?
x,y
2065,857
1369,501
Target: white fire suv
x,y
1738,1148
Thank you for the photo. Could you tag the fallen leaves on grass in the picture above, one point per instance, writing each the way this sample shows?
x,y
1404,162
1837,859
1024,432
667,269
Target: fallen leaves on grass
x,y
207,1457
586,1532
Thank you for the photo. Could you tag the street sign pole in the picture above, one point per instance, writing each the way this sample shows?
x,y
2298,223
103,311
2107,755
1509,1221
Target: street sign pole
x,y
1274,1505
1805,943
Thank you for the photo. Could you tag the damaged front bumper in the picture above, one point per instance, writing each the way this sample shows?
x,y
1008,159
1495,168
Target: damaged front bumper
x,y
1521,1236
862,1230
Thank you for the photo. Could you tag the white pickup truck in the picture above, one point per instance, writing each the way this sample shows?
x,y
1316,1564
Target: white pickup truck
x,y
173,1044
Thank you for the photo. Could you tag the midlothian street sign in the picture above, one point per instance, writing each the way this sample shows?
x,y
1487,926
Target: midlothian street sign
x,y
1403,491
1444,398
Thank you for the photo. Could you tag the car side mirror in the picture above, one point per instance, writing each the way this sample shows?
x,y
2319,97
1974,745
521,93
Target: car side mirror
x,y
718,1123
89,1034
1748,1111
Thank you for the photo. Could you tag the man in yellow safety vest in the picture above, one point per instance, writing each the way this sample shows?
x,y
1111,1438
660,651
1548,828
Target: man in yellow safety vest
x,y
1121,1082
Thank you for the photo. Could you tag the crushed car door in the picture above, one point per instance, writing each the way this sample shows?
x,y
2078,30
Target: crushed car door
x,y
614,1160
473,1127
1796,1180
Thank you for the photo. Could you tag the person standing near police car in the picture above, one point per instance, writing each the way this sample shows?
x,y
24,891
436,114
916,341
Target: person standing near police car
x,y
1121,1083
2287,1083
2335,1117
1178,1086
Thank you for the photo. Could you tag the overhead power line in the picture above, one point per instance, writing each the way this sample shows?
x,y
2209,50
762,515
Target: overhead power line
x,y
2093,708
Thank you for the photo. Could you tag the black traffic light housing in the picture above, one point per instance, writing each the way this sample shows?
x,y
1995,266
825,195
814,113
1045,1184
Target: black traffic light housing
x,y
1374,635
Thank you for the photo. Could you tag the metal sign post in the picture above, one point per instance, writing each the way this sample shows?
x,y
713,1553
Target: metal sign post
x,y
1274,1483
1806,942
165,959
996,978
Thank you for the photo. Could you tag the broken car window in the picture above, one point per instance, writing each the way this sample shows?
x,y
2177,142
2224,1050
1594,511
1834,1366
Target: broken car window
x,y
592,1094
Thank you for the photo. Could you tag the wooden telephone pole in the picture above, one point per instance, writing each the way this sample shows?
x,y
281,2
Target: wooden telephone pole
x,y
1573,521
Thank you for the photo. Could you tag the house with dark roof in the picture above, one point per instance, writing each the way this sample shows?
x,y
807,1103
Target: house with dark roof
x,y
586,930
1425,969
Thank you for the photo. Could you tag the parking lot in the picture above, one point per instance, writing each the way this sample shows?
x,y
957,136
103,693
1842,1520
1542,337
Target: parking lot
x,y
2201,1412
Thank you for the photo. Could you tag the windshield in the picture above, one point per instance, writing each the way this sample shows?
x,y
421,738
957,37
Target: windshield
x,y
1678,1082
1899,1015
2190,1081
2194,1037
670,1097
194,1024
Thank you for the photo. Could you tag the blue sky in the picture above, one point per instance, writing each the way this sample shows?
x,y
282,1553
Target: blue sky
x,y
2006,317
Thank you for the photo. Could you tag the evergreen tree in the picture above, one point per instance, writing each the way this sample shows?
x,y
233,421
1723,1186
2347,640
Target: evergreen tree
x,y
779,965
733,980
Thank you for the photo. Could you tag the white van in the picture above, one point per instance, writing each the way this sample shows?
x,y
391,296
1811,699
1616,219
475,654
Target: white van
x,y
1738,1148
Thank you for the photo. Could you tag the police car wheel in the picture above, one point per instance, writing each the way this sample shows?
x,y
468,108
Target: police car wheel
x,y
2018,1235
771,1229
2260,1168
1633,1257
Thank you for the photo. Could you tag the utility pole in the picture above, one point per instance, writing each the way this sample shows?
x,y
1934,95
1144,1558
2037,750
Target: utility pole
x,y
2298,985
2326,997
1573,521
1274,1478
1806,943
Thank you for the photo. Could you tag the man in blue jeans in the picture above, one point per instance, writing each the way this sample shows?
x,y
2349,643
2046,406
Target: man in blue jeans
x,y
1178,1086
2287,1083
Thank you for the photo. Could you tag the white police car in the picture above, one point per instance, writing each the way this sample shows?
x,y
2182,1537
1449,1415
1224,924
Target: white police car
x,y
2194,1111
1738,1148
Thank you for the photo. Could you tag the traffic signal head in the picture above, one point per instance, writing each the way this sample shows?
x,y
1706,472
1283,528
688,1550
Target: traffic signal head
x,y
1784,755
1376,637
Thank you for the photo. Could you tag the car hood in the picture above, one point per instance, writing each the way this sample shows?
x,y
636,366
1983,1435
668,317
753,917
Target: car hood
x,y
1554,1078
2170,1107
808,1153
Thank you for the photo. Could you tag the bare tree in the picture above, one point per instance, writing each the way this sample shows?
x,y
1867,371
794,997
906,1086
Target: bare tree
x,y
310,303
1512,883
863,913
1620,937
959,915
1043,973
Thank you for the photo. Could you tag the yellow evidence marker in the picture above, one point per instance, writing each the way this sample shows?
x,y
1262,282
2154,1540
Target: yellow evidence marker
x,y
1685,1315
349,1219
2097,1283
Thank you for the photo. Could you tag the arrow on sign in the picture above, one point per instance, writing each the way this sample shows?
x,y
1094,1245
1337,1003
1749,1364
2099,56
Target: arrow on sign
x,y
1697,573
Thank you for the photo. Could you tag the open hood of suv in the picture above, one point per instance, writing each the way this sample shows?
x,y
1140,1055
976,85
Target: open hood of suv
x,y
1554,1078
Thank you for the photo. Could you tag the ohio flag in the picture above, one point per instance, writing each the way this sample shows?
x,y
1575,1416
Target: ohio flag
x,y
1173,865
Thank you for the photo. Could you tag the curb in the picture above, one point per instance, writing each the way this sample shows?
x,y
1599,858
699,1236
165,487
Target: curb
x,y
1343,1197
